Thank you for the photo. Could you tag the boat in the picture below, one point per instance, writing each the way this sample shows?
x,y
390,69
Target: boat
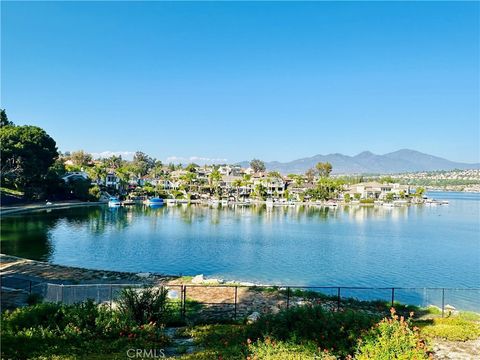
x,y
128,202
114,202
156,201
331,203
388,204
269,203
400,202
171,202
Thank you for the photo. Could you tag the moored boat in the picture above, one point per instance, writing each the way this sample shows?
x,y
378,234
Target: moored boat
x,y
114,202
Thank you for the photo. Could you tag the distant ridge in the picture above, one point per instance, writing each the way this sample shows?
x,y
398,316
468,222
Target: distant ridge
x,y
404,160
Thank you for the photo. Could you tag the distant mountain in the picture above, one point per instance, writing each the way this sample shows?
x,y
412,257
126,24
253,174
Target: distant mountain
x,y
400,161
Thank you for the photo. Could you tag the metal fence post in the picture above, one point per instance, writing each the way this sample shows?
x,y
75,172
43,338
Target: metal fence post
x,y
61,294
443,302
338,298
184,310
288,297
393,296
111,296
235,304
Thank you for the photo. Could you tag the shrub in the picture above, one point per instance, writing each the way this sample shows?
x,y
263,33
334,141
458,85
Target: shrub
x,y
34,299
94,193
46,314
279,350
142,306
336,331
392,338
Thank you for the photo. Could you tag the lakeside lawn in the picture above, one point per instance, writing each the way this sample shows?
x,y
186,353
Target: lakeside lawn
x,y
89,331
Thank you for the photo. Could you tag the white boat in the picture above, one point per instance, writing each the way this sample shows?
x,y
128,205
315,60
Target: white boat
x,y
400,202
171,202
114,202
388,205
331,204
269,203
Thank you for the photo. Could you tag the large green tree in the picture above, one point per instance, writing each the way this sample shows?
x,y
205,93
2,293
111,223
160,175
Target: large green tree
x,y
4,118
81,158
257,165
324,169
27,154
142,163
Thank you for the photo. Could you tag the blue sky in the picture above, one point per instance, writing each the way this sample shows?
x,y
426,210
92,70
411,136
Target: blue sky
x,y
277,81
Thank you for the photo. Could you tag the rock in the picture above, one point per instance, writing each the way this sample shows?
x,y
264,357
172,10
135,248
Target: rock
x,y
274,310
199,279
144,275
253,317
172,294
449,307
212,281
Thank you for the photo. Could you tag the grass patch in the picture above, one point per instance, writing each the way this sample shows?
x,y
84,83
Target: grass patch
x,y
462,327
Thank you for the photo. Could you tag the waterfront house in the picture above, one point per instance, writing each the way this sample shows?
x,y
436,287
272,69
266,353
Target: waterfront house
x,y
377,191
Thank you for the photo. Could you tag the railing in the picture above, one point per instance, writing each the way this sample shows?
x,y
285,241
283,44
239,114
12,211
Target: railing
x,y
238,301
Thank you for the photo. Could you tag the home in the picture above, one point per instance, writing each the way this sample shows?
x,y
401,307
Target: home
x,y
377,191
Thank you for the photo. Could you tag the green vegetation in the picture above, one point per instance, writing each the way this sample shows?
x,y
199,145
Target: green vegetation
x,y
257,165
392,338
73,332
459,327
323,169
27,154
87,331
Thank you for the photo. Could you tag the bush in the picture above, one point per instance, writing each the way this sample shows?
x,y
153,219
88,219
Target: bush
x,y
392,338
94,193
336,331
279,350
47,330
142,306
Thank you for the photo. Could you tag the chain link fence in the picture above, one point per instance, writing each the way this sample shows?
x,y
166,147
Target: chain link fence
x,y
221,302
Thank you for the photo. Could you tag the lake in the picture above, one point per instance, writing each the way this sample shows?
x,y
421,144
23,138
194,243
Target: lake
x,y
410,246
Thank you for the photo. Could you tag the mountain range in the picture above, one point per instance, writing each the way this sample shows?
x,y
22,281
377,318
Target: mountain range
x,y
366,162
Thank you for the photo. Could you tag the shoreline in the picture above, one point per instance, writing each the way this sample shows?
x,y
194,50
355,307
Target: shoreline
x,y
44,272
35,206
18,209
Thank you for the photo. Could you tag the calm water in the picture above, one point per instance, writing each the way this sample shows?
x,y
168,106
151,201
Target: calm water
x,y
416,246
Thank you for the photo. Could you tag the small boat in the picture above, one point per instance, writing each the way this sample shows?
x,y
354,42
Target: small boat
x,y
388,205
400,202
114,202
128,202
156,201
171,202
269,203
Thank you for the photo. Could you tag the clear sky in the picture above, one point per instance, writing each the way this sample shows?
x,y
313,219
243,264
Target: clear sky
x,y
277,81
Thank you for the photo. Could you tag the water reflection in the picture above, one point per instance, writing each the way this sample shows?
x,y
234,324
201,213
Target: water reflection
x,y
28,235
306,245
